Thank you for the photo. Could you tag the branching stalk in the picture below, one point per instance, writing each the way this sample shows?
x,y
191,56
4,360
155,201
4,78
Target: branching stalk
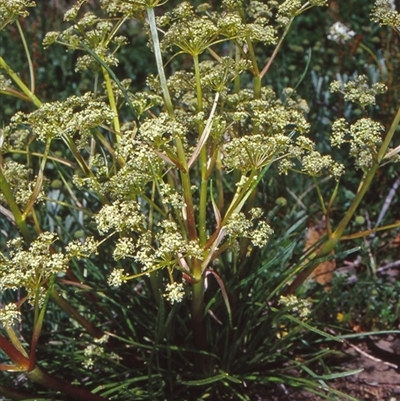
x,y
39,324
18,217
19,82
276,50
113,105
28,57
190,216
203,159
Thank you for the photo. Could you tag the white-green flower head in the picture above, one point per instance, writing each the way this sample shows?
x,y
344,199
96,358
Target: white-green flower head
x,y
299,307
239,226
130,8
174,292
252,152
11,10
192,36
124,248
216,76
77,114
384,13
193,33
287,10
19,179
82,249
358,90
119,217
31,267
9,315
116,278
364,137
161,130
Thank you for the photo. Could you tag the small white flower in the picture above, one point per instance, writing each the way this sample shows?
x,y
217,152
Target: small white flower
x,y
339,32
174,292
116,278
88,363
300,307
9,315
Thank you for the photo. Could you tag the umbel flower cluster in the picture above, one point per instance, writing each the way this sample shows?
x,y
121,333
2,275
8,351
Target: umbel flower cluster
x,y
31,268
175,170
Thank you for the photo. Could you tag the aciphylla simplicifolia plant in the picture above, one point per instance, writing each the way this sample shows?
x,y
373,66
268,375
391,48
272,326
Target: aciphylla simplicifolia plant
x,y
172,172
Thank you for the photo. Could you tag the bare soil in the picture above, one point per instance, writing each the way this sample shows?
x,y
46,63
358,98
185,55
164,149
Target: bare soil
x,y
379,380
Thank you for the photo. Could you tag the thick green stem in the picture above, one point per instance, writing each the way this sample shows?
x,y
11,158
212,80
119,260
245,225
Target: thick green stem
x,y
198,327
219,183
198,288
203,159
190,216
257,87
199,91
184,170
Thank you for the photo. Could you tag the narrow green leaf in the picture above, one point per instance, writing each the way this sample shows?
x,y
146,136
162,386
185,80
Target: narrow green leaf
x,y
340,374
209,380
313,329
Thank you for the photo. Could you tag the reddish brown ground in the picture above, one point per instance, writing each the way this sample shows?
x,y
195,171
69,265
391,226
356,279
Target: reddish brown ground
x,y
379,381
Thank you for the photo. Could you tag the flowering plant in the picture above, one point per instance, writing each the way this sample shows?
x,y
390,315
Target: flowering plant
x,y
171,173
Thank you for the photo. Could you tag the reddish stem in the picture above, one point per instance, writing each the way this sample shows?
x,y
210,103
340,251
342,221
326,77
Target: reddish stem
x,y
16,356
45,379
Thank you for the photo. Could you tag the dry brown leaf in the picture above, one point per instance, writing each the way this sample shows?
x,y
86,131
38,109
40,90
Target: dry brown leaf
x,y
395,242
323,273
